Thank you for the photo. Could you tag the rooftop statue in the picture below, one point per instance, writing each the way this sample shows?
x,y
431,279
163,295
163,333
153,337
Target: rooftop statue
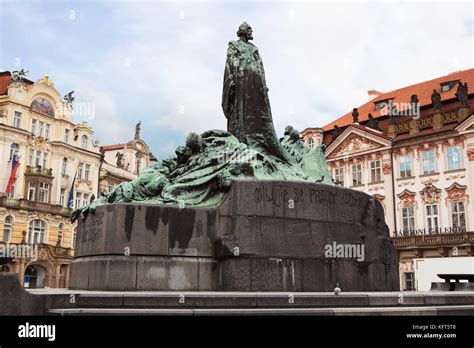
x,y
137,130
202,171
18,76
462,93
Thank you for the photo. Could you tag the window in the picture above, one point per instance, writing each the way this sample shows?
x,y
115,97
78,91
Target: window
x,y
458,215
66,136
380,105
432,218
43,192
87,170
409,281
64,166
46,131
447,86
408,219
14,148
31,191
356,174
80,171
45,160
405,166
7,229
454,157
311,142
428,162
74,235
339,176
84,140
375,172
61,233
17,119
62,197
33,126
37,232
38,158
40,128
85,200
31,157
78,200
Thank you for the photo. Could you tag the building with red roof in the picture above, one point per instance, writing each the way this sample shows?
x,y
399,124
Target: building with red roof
x,y
413,150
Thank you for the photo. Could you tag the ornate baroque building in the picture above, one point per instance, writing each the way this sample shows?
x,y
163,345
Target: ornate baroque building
x,y
124,162
413,150
36,123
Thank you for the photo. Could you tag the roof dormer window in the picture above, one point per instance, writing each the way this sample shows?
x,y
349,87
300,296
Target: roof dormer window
x,y
380,104
448,85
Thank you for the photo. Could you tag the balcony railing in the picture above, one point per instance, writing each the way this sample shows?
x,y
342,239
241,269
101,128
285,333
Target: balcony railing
x,y
39,170
16,203
434,239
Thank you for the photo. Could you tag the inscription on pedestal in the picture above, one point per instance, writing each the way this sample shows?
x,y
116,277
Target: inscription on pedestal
x,y
92,228
280,195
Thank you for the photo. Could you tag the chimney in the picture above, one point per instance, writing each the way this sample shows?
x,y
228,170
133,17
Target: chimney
x,y
374,94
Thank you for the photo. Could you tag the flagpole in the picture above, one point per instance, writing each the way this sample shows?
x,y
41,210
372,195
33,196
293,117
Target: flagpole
x,y
71,192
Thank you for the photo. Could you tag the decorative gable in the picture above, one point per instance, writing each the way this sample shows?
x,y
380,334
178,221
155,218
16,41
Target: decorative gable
x,y
457,192
407,198
352,144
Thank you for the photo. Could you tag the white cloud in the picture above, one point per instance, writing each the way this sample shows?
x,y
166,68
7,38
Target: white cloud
x,y
320,58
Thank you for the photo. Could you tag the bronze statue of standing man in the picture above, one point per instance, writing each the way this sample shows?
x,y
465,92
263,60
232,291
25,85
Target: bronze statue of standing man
x,y
245,96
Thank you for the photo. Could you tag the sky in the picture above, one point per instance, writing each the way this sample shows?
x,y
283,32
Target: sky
x,y
162,62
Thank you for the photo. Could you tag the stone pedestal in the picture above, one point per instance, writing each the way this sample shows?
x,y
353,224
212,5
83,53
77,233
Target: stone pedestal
x,y
463,113
414,126
437,120
265,236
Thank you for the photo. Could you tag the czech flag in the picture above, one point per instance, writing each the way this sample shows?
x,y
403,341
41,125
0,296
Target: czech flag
x,y
15,166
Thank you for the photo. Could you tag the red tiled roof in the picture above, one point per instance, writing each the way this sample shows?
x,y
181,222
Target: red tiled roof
x,y
112,147
5,80
423,90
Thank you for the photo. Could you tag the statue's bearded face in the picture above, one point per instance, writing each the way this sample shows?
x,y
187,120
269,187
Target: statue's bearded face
x,y
249,32
246,31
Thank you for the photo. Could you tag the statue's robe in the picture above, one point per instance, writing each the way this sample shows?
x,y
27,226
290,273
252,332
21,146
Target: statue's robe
x,y
245,99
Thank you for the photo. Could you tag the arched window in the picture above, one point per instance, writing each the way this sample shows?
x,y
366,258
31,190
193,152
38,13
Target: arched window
x,y
61,233
311,142
7,229
64,167
37,232
14,148
84,141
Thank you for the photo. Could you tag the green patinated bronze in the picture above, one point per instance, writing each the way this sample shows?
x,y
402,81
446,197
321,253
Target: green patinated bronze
x,y
203,170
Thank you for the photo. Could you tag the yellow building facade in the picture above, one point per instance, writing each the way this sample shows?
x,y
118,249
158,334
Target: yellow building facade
x,y
37,124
